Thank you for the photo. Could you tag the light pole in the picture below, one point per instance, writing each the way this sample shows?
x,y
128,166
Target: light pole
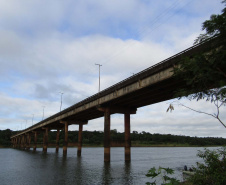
x,y
99,74
61,100
32,118
43,112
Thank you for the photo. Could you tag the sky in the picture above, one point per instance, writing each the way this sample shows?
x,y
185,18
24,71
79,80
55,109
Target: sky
x,y
52,46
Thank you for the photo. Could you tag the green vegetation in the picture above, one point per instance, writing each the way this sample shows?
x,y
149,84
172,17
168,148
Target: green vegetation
x,y
211,172
5,137
165,176
205,73
96,138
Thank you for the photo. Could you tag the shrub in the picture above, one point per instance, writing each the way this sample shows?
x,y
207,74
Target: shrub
x,y
213,170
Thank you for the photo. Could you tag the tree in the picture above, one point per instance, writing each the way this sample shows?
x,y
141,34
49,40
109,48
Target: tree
x,y
205,73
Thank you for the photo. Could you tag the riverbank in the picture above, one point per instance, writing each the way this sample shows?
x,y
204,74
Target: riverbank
x,y
137,145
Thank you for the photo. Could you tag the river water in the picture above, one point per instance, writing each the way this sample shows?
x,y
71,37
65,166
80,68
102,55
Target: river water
x,y
22,167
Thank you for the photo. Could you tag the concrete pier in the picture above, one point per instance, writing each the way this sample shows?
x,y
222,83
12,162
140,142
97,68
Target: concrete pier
x,y
107,137
57,140
65,138
45,139
28,141
23,142
127,137
79,150
35,140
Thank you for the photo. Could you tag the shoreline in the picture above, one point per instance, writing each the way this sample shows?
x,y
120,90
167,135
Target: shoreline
x,y
137,146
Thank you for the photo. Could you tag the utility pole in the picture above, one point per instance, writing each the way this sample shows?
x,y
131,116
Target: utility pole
x,y
99,74
61,100
43,112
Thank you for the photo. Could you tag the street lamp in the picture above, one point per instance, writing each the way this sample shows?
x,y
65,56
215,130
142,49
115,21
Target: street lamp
x,y
99,74
61,100
32,118
43,112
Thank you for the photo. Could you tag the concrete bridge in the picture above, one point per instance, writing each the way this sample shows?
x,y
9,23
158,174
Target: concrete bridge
x,y
152,85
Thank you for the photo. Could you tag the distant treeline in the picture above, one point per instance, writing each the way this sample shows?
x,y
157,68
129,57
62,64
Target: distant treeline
x,y
95,138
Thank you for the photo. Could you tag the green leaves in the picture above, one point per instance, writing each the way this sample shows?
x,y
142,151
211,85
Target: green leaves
x,y
163,172
205,72
215,26
213,170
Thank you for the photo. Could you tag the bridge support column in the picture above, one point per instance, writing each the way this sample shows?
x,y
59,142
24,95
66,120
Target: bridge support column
x,y
17,141
57,140
65,139
23,142
35,141
107,137
45,139
79,150
19,144
28,141
127,137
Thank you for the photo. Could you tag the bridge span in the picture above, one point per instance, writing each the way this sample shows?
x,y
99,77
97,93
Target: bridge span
x,y
152,85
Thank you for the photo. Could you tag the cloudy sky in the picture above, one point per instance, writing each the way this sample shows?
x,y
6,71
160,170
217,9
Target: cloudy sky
x,y
47,47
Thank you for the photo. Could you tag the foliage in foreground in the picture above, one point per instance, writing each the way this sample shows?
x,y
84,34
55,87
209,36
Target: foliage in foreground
x,y
213,170
165,176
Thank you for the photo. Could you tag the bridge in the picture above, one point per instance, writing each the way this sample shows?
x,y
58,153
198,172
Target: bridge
x,y
152,85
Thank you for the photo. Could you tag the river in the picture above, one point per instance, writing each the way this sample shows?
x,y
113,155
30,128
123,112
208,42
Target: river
x,y
22,167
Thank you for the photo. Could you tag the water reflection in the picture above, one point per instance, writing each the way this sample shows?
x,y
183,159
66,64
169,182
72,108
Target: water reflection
x,y
128,173
106,174
79,172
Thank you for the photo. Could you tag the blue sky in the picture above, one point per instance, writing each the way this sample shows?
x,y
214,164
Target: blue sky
x,y
52,46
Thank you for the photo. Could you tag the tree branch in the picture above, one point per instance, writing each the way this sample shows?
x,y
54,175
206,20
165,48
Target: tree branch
x,y
198,111
221,122
213,115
